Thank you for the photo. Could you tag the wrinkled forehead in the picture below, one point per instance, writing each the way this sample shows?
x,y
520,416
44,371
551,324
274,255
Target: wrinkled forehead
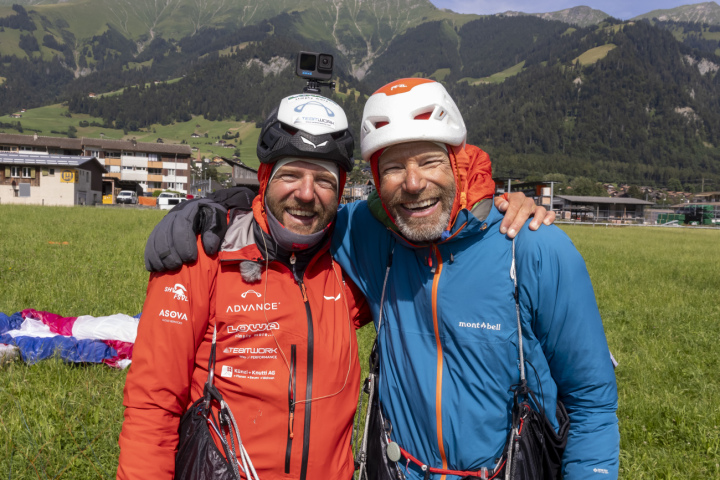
x,y
412,150
300,168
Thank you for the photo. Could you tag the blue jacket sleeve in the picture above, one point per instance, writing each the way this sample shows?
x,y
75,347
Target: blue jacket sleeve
x,y
565,318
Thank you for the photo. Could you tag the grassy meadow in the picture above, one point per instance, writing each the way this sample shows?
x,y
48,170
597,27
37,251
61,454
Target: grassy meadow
x,y
658,291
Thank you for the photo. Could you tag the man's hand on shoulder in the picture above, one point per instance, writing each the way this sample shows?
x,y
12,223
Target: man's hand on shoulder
x,y
518,208
172,242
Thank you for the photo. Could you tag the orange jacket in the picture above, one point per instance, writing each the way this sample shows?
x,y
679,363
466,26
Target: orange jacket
x,y
265,331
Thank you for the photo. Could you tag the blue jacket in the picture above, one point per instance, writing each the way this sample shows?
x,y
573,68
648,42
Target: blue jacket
x,y
448,340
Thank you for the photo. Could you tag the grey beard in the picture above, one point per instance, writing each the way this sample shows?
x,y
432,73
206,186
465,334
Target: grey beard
x,y
423,233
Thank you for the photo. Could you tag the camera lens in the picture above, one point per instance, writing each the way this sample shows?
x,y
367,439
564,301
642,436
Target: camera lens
x,y
325,63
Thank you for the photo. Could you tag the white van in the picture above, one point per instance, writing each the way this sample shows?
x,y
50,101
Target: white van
x,y
127,196
167,200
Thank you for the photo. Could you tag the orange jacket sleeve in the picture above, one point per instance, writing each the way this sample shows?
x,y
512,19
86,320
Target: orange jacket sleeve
x,y
174,321
359,309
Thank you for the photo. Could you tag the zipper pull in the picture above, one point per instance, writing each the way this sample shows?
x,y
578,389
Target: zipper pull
x,y
302,289
291,419
292,259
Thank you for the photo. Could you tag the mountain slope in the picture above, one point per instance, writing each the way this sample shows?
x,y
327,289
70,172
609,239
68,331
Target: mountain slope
x,y
708,12
582,15
360,30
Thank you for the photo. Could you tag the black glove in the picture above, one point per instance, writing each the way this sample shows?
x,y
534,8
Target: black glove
x,y
173,241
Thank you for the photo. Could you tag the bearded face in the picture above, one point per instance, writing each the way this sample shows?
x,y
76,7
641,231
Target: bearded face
x,y
417,186
303,197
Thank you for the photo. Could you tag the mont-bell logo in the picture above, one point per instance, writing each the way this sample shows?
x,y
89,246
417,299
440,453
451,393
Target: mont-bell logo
x,y
480,325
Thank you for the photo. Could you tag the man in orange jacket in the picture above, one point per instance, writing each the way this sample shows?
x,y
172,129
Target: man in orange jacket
x,y
282,312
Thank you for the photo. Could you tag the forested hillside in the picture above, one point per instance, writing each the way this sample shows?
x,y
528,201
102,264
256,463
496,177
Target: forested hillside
x,y
645,113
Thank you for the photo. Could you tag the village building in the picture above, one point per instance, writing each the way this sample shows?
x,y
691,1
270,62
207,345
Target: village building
x,y
601,209
65,180
707,197
151,166
202,188
242,175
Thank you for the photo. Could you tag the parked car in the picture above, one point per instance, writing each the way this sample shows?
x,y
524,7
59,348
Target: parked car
x,y
167,200
127,196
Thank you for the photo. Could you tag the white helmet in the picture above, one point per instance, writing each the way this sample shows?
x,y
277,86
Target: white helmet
x,y
307,126
408,110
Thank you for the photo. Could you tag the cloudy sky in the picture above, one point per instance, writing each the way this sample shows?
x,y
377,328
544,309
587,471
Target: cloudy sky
x,y
623,9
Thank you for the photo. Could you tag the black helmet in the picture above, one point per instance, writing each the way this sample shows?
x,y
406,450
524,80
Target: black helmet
x,y
310,126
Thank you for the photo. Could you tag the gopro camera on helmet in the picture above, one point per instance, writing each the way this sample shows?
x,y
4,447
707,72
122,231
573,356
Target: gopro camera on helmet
x,y
317,69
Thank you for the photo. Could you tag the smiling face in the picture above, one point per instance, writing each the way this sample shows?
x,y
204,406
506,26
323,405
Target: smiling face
x,y
303,197
417,186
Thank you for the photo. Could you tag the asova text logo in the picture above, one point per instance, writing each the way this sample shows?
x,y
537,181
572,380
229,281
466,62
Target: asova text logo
x,y
173,314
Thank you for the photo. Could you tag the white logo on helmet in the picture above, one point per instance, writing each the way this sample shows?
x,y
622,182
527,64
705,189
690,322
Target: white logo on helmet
x,y
314,103
398,86
305,140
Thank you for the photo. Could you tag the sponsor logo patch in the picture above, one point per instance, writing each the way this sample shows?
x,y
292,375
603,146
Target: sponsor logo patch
x,y
314,103
251,350
253,307
480,325
226,371
253,327
308,142
302,119
179,292
173,314
245,294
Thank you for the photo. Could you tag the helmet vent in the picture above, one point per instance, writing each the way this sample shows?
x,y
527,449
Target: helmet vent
x,y
289,129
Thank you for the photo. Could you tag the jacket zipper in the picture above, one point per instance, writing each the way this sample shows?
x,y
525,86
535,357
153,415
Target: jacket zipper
x,y
291,407
308,387
438,386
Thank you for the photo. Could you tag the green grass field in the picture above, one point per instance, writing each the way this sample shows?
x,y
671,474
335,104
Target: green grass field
x,y
658,292
496,77
594,54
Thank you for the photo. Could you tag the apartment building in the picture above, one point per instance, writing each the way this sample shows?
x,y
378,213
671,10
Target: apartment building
x,y
49,179
154,166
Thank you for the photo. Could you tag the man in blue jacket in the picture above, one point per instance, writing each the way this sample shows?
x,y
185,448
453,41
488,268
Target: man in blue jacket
x,y
428,254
